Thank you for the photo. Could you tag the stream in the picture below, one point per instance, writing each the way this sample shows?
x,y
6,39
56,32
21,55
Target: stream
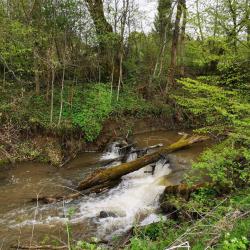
x,y
134,201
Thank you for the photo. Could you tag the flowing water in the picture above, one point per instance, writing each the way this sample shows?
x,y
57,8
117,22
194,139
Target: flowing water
x,y
134,200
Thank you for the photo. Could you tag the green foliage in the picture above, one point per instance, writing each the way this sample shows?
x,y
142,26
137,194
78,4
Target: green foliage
x,y
85,108
163,19
238,238
151,231
226,164
220,111
83,245
16,45
92,107
155,236
217,109
142,55
218,223
235,243
130,102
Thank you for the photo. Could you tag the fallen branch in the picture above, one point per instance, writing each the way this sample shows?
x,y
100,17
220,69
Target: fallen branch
x,y
96,189
41,247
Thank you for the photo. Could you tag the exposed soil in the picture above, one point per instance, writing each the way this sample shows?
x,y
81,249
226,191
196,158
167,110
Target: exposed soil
x,y
59,149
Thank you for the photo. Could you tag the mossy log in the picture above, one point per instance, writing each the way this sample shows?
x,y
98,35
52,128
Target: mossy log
x,y
105,175
72,196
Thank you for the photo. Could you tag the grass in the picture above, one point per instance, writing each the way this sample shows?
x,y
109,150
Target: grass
x,y
224,225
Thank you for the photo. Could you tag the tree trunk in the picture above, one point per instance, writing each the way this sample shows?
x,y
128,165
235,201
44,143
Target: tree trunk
x,y
163,39
172,67
61,95
233,34
123,23
216,19
182,38
52,94
248,21
120,77
47,84
97,14
108,45
199,20
36,72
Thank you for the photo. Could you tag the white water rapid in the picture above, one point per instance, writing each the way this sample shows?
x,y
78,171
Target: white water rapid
x,y
133,201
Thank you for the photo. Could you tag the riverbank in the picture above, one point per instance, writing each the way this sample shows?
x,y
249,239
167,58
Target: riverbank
x,y
48,146
25,180
90,118
207,220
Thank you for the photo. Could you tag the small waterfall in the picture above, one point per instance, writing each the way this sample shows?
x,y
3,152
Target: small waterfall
x,y
134,200
112,151
131,157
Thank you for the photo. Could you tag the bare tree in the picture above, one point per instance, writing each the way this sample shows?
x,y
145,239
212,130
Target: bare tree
x,y
125,9
175,39
182,38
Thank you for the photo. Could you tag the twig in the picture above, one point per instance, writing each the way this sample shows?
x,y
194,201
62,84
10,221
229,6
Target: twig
x,y
67,229
41,247
33,226
193,227
182,245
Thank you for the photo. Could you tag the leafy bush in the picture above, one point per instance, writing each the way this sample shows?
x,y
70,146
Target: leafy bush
x,y
220,112
235,243
130,102
91,108
215,108
228,166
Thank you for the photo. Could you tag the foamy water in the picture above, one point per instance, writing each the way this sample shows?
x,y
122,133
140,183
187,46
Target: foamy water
x,y
112,152
134,200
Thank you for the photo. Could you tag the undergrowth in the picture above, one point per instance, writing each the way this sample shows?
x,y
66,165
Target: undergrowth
x,y
222,224
85,107
216,216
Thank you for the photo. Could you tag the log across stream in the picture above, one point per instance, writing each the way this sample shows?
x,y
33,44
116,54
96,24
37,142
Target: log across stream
x,y
135,199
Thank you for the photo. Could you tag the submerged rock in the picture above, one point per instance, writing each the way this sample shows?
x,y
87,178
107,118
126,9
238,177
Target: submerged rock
x,y
105,214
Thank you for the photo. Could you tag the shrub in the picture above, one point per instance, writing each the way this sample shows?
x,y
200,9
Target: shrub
x,y
91,108
220,112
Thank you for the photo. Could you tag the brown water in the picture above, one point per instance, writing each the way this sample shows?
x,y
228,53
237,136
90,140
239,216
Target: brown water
x,y
28,223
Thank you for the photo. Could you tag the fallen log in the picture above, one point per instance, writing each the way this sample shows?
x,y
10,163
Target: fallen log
x,y
96,189
104,178
104,175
